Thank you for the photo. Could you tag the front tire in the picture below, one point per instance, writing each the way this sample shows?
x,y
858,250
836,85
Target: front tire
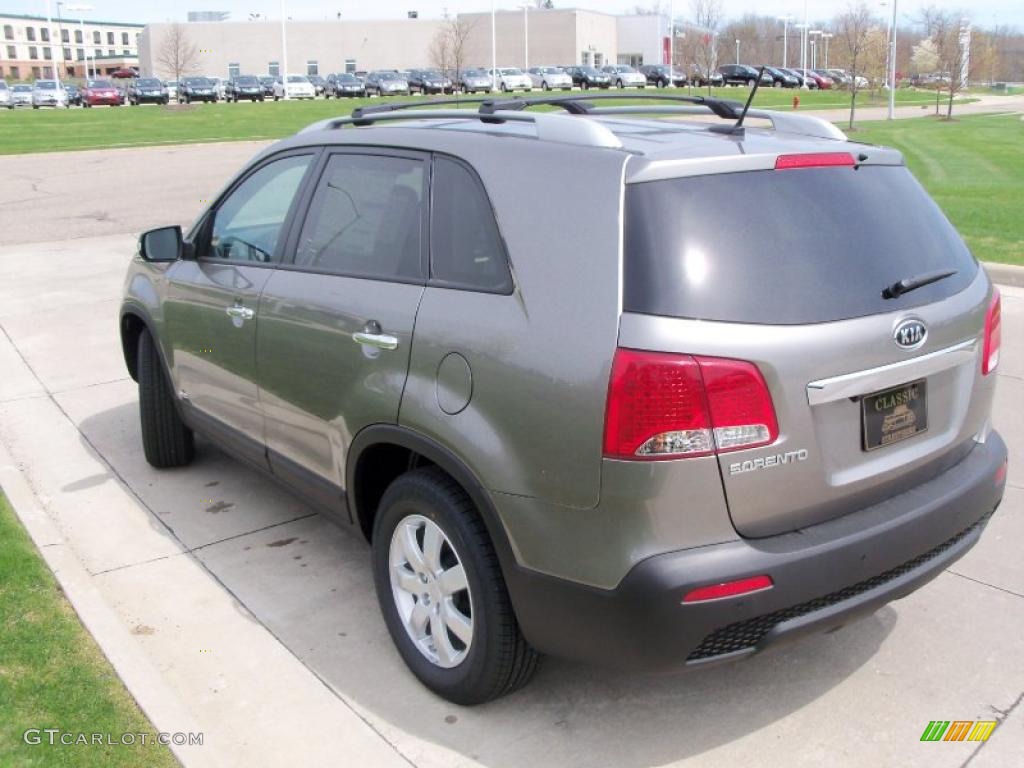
x,y
442,593
166,441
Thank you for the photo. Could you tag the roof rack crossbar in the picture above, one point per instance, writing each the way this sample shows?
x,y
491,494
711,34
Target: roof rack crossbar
x,y
584,103
550,127
782,122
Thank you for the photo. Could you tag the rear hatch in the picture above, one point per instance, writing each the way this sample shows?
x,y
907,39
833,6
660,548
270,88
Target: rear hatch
x,y
786,269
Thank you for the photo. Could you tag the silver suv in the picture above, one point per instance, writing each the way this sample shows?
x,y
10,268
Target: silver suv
x,y
669,436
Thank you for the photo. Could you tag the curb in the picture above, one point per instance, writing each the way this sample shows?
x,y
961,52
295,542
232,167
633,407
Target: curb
x,y
1005,274
151,693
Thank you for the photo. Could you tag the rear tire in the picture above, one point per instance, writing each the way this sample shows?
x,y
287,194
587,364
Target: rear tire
x,y
166,441
497,659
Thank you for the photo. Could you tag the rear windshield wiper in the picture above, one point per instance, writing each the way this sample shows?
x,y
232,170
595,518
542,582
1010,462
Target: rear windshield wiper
x,y
908,284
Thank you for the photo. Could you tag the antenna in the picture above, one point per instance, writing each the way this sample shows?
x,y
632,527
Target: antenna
x,y
737,128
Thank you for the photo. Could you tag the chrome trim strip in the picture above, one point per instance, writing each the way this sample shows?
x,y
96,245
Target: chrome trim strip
x,y
864,382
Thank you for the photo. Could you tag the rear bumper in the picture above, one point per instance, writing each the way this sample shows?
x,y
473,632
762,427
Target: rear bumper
x,y
823,576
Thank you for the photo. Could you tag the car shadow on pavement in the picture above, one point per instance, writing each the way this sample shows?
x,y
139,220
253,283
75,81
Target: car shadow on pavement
x,y
309,583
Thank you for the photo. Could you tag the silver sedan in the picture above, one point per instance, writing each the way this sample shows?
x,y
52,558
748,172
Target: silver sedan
x,y
624,76
549,78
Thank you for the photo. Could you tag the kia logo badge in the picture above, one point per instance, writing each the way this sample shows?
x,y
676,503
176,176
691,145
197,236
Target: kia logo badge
x,y
910,334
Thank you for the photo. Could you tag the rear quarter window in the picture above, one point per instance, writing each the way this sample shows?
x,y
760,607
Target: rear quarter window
x,y
786,247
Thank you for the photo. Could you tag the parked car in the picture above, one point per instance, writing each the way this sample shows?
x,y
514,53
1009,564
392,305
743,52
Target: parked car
x,y
549,78
844,78
661,75
196,89
820,82
474,80
45,93
703,79
800,79
825,75
702,477
171,89
74,94
318,83
429,81
146,90
21,96
344,84
267,83
781,79
625,76
294,87
742,74
588,77
5,95
244,87
101,92
513,79
386,83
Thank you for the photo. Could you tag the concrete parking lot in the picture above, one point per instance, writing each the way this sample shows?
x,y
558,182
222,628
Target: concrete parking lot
x,y
239,610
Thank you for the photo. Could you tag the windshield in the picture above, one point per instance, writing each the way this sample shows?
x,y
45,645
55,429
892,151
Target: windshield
x,y
510,71
22,88
149,82
100,84
297,79
268,79
246,81
760,268
551,71
588,70
46,85
347,79
389,76
197,81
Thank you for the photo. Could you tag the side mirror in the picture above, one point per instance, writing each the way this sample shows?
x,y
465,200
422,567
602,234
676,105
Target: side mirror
x,y
163,244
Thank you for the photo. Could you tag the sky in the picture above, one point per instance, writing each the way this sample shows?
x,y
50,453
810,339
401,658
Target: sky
x,y
983,12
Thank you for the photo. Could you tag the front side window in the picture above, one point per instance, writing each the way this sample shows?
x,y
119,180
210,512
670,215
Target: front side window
x,y
247,224
466,249
366,218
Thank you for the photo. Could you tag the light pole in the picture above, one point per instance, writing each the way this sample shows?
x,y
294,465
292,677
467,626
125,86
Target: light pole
x,y
892,64
494,50
283,71
785,38
526,36
53,59
812,60
737,51
826,36
83,9
803,44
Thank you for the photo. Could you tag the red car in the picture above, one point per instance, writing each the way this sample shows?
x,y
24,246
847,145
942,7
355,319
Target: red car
x,y
98,92
824,82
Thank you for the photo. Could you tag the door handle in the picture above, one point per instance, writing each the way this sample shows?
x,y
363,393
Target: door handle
x,y
378,340
240,312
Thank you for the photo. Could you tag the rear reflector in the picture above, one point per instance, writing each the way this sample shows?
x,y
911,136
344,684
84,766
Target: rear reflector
x,y
993,334
670,406
728,589
1000,475
814,160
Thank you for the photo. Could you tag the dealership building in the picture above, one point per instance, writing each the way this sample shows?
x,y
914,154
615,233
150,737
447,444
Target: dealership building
x,y
79,44
524,38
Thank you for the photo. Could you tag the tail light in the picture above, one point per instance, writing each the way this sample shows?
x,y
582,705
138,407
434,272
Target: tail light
x,y
669,406
993,334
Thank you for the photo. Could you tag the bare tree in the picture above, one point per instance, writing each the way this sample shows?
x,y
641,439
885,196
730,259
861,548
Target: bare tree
x,y
853,28
946,30
707,16
449,48
176,55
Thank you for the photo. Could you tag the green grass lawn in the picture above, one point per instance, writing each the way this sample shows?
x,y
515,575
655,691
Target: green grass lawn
x,y
52,674
48,130
974,168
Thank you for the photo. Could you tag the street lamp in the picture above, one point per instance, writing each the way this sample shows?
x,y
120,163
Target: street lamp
x,y
83,9
494,50
526,36
737,51
813,61
785,38
892,64
826,36
803,44
814,56
283,71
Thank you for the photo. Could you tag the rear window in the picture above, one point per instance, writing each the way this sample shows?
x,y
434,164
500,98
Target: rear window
x,y
786,247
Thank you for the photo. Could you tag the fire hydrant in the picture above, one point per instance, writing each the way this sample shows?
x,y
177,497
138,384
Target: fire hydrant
x,y
796,102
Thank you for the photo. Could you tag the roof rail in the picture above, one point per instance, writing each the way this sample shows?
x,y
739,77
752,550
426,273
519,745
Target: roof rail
x,y
550,127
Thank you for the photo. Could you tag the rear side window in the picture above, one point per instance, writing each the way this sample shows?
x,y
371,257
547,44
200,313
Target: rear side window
x,y
466,250
366,218
786,247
